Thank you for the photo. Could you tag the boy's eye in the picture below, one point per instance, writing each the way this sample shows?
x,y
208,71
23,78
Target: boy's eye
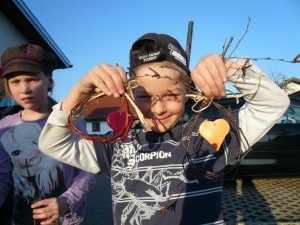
x,y
172,96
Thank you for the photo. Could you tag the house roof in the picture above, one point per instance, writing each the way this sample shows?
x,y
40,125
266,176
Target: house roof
x,y
290,86
23,19
99,109
291,80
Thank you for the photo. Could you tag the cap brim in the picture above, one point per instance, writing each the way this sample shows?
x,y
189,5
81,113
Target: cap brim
x,y
21,67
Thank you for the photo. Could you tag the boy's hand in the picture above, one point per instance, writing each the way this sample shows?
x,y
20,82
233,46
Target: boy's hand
x,y
210,74
105,78
102,78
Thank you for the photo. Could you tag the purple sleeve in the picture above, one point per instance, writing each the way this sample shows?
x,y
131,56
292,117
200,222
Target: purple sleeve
x,y
78,187
5,175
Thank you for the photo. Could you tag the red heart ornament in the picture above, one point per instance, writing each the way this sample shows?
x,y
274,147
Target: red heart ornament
x,y
116,121
214,132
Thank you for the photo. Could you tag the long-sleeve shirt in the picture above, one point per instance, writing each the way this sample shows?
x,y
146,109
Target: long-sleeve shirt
x,y
33,175
154,180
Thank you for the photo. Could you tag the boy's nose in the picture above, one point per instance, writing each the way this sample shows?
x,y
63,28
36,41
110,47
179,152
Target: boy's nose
x,y
158,107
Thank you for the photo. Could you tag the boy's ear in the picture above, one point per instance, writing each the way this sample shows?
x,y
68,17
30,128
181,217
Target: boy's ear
x,y
186,99
188,91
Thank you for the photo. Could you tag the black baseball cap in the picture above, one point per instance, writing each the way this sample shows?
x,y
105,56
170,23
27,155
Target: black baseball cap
x,y
153,47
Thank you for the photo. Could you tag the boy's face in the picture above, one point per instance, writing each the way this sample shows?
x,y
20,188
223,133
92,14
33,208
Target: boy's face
x,y
159,96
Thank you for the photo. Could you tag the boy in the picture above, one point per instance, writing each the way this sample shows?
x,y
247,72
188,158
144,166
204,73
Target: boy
x,y
155,175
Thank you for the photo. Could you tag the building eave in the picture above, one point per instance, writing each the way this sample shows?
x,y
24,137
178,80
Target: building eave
x,y
20,15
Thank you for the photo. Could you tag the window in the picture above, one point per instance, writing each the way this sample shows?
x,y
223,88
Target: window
x,y
96,127
292,115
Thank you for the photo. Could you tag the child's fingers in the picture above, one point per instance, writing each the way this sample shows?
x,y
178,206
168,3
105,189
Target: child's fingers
x,y
46,211
122,73
118,77
108,79
101,79
41,212
205,82
208,76
221,67
39,203
218,75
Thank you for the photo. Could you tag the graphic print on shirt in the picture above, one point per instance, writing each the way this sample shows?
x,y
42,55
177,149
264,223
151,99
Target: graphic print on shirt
x,y
35,175
155,181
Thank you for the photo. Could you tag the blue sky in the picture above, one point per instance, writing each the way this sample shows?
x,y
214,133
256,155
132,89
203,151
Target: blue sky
x,y
92,31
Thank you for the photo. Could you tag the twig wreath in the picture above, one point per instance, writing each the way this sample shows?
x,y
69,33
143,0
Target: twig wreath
x,y
121,130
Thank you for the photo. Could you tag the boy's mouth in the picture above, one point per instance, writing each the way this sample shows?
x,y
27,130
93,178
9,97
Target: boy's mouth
x,y
156,120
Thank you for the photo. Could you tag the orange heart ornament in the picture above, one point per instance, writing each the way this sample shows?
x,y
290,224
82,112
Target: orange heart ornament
x,y
214,132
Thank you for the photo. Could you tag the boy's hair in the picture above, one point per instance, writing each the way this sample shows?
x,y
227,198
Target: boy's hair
x,y
153,47
27,58
181,77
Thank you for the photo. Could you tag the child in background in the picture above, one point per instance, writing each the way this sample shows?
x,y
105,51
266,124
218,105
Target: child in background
x,y
154,180
38,181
